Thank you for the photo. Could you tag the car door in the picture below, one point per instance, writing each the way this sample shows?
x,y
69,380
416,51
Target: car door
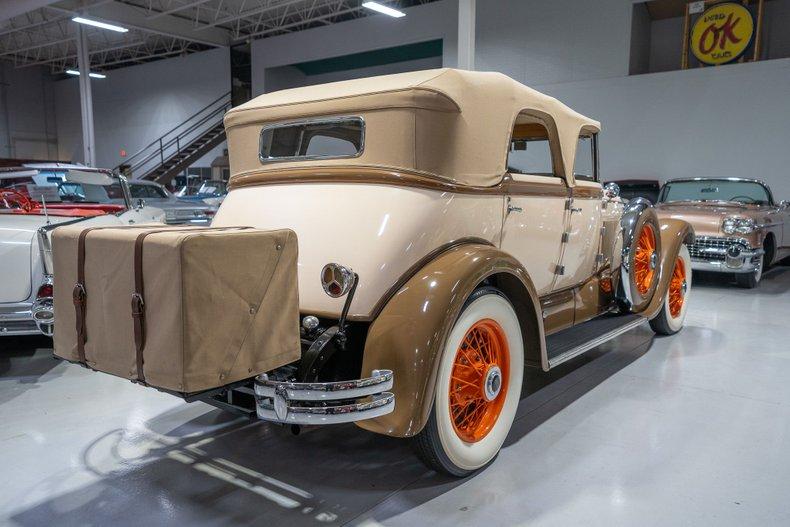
x,y
534,216
583,235
583,220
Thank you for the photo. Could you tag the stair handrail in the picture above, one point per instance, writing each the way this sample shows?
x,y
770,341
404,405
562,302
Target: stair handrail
x,y
163,142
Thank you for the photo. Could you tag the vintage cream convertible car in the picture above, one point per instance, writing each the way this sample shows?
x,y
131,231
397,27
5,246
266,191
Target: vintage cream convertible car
x,y
481,241
451,233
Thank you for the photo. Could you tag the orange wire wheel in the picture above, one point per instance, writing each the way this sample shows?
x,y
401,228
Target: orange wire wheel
x,y
645,259
677,288
478,382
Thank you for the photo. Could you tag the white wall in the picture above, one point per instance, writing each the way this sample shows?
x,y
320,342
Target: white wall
x,y
283,77
437,20
550,41
725,121
27,113
134,106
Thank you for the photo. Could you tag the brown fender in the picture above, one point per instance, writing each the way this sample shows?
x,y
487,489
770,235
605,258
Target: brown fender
x,y
674,233
409,334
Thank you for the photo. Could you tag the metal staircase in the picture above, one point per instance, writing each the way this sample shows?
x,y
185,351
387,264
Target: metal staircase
x,y
180,147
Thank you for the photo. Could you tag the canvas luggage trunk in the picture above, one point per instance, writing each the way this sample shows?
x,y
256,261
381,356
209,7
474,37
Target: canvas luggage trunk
x,y
211,306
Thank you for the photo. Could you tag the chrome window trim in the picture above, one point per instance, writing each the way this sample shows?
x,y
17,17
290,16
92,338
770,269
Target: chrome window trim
x,y
315,120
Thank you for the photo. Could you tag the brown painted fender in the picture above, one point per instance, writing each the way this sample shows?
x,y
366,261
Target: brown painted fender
x,y
674,233
409,334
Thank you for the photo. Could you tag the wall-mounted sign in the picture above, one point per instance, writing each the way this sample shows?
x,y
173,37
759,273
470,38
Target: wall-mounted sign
x,y
722,33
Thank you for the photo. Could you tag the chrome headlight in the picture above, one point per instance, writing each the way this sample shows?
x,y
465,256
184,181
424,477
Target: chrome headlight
x,y
739,225
729,225
745,225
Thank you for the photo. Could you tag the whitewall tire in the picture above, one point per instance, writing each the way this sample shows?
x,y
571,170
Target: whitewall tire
x,y
478,387
673,313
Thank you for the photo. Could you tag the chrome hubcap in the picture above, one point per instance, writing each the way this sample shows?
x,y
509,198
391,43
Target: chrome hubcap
x,y
653,260
493,383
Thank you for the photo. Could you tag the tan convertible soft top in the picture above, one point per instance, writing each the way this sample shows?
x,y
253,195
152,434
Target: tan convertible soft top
x,y
451,124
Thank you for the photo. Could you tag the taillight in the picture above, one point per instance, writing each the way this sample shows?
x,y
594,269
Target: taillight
x,y
45,291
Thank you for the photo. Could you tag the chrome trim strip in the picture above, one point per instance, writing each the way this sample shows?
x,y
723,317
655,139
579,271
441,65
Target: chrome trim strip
x,y
381,381
377,405
578,350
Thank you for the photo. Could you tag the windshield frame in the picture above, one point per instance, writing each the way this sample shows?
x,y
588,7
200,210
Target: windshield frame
x,y
667,184
36,170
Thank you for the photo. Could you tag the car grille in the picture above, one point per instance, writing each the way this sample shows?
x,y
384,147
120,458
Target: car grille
x,y
701,248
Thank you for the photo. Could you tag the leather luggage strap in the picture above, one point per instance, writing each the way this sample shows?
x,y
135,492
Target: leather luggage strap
x,y
138,297
78,293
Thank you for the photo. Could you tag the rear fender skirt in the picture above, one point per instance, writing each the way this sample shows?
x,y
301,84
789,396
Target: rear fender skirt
x,y
674,233
409,333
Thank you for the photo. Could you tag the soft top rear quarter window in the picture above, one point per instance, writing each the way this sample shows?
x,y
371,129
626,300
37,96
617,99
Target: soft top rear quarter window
x,y
326,138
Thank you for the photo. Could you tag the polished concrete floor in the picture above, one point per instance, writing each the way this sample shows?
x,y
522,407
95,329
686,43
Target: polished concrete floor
x,y
686,430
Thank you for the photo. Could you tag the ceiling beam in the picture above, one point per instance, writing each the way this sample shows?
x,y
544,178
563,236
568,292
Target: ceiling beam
x,y
27,27
178,8
90,53
36,46
130,17
13,8
250,12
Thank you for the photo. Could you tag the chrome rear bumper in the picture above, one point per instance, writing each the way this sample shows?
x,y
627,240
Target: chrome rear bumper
x,y
320,403
17,319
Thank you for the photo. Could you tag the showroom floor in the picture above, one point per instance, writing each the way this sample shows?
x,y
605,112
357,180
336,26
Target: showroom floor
x,y
692,429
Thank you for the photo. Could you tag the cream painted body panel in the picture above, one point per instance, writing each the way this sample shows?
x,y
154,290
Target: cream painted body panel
x,y
584,238
380,231
532,235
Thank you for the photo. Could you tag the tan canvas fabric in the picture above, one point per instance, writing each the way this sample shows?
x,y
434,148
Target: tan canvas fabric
x,y
459,123
220,306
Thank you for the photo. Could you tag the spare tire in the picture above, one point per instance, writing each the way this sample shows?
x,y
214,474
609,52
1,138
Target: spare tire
x,y
641,254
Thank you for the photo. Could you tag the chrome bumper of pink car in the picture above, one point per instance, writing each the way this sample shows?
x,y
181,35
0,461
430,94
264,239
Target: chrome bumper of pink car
x,y
321,403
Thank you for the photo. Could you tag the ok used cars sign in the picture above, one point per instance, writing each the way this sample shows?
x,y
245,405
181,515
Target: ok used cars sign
x,y
722,33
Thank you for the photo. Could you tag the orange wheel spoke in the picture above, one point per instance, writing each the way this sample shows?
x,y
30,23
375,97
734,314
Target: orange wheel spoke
x,y
643,259
483,348
676,288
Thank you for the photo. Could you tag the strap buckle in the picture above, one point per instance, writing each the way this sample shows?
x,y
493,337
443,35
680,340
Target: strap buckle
x,y
78,294
138,305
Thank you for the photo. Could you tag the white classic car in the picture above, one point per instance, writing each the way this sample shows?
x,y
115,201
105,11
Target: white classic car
x,y
34,200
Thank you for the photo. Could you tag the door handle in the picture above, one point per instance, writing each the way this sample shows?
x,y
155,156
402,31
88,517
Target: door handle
x,y
512,208
569,206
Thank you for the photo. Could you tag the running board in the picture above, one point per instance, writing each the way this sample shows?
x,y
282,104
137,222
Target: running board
x,y
574,341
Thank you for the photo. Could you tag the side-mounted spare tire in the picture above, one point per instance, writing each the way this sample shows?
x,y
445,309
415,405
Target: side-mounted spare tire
x,y
641,254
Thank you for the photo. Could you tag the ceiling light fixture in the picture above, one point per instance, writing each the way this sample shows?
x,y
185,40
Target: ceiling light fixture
x,y
96,23
91,74
375,6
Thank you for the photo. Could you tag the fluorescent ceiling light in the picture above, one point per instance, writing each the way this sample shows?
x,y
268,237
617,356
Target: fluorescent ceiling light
x,y
91,74
96,23
375,6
